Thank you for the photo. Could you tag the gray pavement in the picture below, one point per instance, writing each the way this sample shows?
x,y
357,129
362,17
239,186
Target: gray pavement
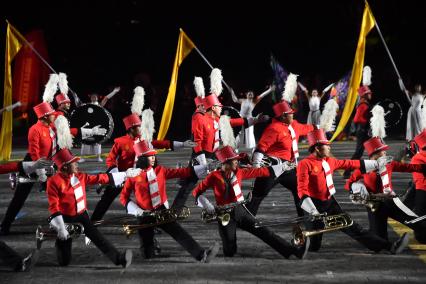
x,y
341,259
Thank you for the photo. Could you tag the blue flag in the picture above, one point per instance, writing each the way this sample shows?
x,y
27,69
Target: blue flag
x,y
280,76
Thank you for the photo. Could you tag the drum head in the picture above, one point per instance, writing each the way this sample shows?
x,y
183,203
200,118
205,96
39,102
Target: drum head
x,y
393,112
90,115
232,113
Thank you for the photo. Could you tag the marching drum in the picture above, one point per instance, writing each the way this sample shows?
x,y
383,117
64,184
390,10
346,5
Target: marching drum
x,y
232,113
393,112
91,115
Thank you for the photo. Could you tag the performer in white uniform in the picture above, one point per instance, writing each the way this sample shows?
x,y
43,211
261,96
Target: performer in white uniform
x,y
246,111
415,123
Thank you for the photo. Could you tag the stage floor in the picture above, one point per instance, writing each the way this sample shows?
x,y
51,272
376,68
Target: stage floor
x,y
340,259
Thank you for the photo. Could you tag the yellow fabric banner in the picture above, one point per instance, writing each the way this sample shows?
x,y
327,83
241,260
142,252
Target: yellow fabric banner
x,y
14,42
185,46
367,24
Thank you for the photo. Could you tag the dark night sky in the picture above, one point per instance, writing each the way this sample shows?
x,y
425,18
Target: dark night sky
x,y
104,43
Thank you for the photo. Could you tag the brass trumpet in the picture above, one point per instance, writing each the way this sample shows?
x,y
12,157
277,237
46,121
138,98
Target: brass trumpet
x,y
43,234
222,213
15,179
373,201
158,217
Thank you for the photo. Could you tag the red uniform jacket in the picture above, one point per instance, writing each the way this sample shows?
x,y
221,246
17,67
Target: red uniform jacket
x,y
74,131
39,141
208,131
60,193
276,139
216,181
418,178
371,179
9,168
311,176
362,114
140,186
197,128
122,154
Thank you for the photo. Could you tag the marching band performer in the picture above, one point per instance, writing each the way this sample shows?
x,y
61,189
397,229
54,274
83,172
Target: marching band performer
x,y
149,189
66,193
316,189
226,184
415,116
362,117
207,133
41,144
7,254
420,181
279,143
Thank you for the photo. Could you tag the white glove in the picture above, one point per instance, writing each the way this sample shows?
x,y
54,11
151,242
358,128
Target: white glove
x,y
30,167
203,202
383,161
201,159
89,132
200,171
257,159
309,206
359,188
212,165
132,172
134,209
41,175
58,224
185,144
372,165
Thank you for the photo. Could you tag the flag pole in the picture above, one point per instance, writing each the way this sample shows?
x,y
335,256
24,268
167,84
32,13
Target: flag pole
x,y
211,66
76,99
390,56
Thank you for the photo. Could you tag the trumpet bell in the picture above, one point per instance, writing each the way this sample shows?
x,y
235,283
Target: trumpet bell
x,y
224,219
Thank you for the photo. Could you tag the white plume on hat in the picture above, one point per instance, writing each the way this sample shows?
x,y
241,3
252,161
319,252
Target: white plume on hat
x,y
199,87
216,82
138,100
377,122
328,116
226,132
366,76
290,87
63,83
148,125
51,88
63,132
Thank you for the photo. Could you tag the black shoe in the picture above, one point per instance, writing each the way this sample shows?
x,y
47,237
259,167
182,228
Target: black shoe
x,y
210,253
399,245
157,247
302,251
126,258
28,262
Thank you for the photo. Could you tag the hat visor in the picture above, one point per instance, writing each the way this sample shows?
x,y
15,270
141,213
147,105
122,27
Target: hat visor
x,y
323,142
381,148
133,125
236,157
149,153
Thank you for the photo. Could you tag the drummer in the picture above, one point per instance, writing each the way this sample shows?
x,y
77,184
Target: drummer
x,y
96,148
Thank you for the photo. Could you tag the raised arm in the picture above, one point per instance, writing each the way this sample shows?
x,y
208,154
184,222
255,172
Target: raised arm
x,y
264,94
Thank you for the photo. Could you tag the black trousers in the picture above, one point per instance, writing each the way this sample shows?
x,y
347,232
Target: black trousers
x,y
263,185
9,256
361,137
63,248
21,193
365,237
175,230
242,219
379,220
108,197
420,209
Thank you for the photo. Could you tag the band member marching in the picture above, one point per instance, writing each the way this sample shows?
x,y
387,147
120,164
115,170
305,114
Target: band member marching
x,y
66,193
316,190
380,183
149,189
279,143
206,133
7,254
226,184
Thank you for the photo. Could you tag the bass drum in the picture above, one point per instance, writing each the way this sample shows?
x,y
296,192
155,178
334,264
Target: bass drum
x,y
393,112
91,115
232,113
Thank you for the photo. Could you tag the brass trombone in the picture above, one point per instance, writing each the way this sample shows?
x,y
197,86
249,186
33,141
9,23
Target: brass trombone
x,y
372,201
43,234
15,179
157,218
222,213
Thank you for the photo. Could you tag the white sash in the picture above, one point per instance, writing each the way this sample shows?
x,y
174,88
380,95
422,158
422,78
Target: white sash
x,y
216,135
328,177
78,194
294,143
53,138
385,180
236,187
153,188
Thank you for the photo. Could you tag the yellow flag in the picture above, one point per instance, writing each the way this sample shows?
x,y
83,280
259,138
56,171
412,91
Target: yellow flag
x,y
368,23
185,46
14,42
